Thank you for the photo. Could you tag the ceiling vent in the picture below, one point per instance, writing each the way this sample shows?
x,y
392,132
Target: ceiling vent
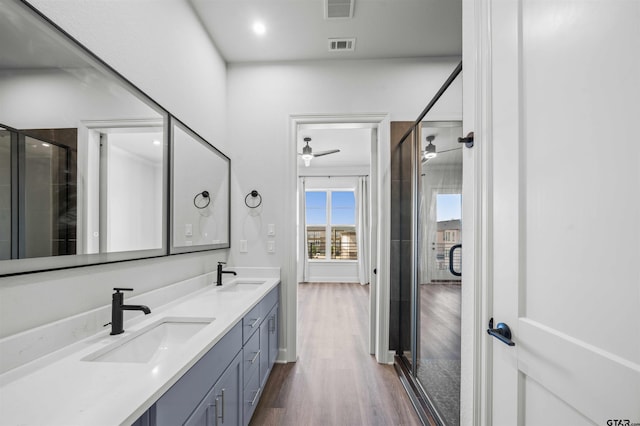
x,y
338,9
342,44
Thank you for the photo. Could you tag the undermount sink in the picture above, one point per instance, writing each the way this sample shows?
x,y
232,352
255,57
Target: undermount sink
x,y
155,339
242,285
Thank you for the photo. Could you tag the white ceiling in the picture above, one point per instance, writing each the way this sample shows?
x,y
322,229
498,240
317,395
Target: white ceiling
x,y
297,29
354,145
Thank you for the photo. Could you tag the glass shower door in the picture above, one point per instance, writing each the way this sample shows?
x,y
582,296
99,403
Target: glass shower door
x,y
438,281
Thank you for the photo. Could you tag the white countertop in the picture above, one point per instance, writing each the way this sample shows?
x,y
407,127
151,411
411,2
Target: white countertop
x,y
69,391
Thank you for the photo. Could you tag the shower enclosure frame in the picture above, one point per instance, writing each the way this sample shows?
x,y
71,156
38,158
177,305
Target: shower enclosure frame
x,y
407,369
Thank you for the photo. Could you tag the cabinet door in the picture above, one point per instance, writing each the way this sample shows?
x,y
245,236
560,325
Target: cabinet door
x,y
273,336
251,397
228,391
186,395
221,406
264,352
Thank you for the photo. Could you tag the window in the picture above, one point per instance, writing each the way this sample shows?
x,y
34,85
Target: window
x,y
331,216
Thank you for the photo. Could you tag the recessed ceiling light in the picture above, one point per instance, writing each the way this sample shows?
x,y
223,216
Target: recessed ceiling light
x,y
259,28
45,144
156,142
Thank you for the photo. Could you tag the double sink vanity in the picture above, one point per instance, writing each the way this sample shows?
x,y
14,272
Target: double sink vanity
x,y
201,360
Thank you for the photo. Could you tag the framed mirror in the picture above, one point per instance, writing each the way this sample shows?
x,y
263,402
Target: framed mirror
x,y
200,188
83,154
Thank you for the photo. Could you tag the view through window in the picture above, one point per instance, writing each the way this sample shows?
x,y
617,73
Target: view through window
x,y
449,213
331,216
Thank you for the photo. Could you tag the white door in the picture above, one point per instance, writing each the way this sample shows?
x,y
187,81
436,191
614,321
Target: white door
x,y
564,211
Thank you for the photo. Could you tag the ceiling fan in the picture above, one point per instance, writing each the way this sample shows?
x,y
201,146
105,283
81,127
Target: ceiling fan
x,y
307,152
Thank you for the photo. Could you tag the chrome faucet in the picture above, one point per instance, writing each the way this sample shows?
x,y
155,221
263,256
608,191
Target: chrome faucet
x,y
117,307
220,272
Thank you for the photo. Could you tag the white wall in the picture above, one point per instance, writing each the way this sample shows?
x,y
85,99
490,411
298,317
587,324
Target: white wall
x,y
261,99
333,272
161,48
266,94
134,198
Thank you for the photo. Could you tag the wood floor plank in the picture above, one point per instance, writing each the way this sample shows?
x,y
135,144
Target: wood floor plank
x,y
335,380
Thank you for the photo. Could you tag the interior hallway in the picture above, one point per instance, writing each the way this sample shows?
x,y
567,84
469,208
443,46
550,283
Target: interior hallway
x,y
335,381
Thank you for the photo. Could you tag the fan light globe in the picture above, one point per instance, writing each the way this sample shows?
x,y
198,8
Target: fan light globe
x,y
429,150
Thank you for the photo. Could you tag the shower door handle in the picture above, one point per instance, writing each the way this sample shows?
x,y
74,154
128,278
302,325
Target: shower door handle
x,y
451,269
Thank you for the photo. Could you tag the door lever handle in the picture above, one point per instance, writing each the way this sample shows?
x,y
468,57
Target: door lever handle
x,y
502,332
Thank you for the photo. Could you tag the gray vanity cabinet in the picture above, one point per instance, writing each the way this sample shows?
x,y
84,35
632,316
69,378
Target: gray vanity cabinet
x,y
269,344
260,349
274,327
224,386
264,354
221,406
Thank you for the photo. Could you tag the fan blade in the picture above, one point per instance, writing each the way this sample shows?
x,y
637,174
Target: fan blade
x,y
320,154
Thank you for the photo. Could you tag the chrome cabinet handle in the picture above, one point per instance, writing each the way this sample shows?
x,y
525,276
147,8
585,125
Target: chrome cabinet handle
x,y
502,332
255,322
253,402
222,409
216,412
255,356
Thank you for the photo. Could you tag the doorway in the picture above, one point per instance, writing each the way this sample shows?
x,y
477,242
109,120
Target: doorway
x,y
334,208
121,164
377,125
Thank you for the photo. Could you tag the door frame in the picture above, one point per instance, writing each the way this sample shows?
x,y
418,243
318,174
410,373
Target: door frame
x,y
477,294
90,132
379,286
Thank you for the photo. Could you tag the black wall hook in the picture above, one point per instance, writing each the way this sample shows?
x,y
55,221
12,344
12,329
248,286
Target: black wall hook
x,y
254,193
205,195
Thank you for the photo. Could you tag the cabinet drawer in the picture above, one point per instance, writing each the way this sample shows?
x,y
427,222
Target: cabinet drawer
x,y
252,356
251,397
271,299
255,316
251,321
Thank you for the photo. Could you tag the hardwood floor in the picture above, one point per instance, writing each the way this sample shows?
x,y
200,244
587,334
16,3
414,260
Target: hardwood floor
x,y
335,381
440,306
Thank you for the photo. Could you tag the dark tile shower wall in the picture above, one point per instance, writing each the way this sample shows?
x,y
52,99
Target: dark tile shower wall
x,y
401,240
64,188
